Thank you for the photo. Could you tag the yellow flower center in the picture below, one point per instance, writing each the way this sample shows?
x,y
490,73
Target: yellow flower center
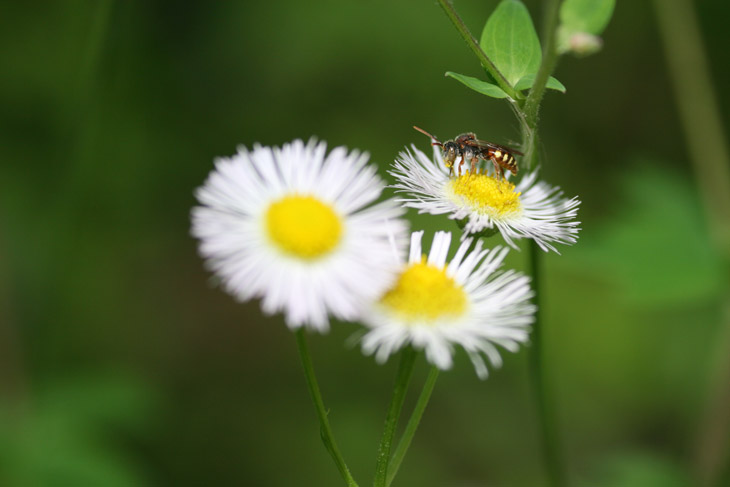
x,y
303,226
424,292
487,194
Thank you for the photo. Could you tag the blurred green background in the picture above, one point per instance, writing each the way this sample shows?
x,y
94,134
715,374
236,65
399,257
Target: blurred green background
x,y
121,365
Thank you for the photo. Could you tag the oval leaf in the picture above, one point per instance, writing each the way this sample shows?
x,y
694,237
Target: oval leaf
x,y
478,85
510,41
526,82
591,16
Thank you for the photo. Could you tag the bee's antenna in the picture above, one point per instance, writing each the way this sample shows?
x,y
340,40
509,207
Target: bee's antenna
x,y
438,143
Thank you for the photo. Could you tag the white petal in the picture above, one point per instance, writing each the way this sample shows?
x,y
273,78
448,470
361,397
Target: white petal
x,y
234,240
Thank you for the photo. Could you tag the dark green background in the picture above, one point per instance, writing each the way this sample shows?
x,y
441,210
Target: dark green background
x,y
122,365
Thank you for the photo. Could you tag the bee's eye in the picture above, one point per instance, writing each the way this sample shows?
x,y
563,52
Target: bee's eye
x,y
450,155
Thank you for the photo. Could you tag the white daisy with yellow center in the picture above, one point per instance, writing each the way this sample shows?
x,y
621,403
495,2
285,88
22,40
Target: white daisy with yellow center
x,y
529,209
435,305
297,228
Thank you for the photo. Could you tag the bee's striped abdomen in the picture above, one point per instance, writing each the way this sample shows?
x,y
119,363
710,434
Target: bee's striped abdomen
x,y
504,159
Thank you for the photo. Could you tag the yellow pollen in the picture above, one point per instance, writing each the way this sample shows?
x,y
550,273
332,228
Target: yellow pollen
x,y
487,194
425,293
303,226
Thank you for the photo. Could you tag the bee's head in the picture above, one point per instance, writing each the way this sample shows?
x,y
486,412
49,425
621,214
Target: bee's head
x,y
451,150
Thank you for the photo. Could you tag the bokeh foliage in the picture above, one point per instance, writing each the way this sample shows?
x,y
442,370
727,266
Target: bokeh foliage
x,y
122,365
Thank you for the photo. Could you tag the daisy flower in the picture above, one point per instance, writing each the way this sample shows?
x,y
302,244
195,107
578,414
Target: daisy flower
x,y
530,209
297,228
467,302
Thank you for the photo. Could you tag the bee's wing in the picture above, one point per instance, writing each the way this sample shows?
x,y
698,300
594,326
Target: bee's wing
x,y
482,144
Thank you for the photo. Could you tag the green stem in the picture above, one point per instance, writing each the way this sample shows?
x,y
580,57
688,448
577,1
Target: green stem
x,y
550,442
476,48
709,154
531,106
324,426
699,113
547,66
552,453
403,376
413,422
527,114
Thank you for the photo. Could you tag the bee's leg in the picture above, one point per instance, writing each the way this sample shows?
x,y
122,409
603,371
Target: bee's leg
x,y
497,170
451,170
474,161
461,163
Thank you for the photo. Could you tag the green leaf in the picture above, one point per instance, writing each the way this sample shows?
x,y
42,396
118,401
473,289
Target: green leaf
x,y
510,41
478,85
526,82
644,247
591,16
639,469
581,21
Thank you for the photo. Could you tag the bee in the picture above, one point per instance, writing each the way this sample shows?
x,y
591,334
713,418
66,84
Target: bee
x,y
471,149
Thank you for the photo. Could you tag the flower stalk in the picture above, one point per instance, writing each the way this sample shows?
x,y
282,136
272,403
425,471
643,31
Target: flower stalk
x,y
709,154
412,425
547,66
403,377
552,452
527,113
324,425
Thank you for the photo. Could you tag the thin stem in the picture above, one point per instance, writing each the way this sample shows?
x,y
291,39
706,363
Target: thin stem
x,y
552,455
403,376
699,113
413,422
527,114
476,48
549,60
709,155
324,426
